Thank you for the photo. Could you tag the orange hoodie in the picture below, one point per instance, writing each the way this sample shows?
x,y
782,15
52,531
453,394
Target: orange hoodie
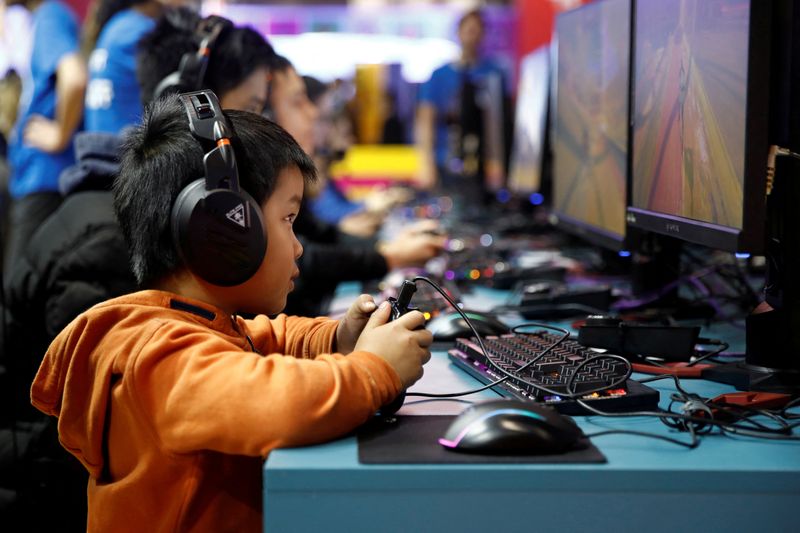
x,y
164,401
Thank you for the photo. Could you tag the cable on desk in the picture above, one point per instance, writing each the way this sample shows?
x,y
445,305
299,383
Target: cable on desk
x,y
694,424
565,335
692,403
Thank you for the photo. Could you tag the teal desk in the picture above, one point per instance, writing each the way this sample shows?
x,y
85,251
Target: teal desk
x,y
726,484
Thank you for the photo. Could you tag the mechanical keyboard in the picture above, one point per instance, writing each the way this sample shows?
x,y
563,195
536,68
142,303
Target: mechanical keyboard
x,y
600,381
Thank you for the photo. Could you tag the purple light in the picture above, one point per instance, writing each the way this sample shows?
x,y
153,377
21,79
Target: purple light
x,y
449,275
536,198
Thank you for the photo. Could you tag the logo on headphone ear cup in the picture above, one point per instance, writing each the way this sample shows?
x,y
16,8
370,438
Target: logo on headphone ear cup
x,y
219,233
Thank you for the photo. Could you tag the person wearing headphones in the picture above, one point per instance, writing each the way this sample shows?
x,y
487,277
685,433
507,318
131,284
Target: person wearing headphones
x,y
170,59
78,257
331,256
168,397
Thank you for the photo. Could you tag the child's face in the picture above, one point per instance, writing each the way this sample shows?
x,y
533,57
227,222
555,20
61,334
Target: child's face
x,y
267,290
292,108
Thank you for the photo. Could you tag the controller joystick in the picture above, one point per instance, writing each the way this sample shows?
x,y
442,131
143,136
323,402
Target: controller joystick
x,y
400,306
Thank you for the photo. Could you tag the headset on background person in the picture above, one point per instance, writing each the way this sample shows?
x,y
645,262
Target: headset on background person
x,y
192,67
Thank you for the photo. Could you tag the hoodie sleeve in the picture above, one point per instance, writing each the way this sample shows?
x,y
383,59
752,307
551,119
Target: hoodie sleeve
x,y
202,392
293,335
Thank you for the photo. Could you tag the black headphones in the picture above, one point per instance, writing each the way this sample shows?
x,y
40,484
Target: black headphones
x,y
216,226
192,67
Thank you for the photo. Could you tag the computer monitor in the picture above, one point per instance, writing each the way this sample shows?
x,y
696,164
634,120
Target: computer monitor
x,y
712,90
529,146
590,126
700,116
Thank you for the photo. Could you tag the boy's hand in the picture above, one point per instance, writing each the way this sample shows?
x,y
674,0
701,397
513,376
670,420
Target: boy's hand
x,y
353,323
399,342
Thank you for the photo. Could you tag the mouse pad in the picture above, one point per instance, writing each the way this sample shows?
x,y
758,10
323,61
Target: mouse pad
x,y
415,439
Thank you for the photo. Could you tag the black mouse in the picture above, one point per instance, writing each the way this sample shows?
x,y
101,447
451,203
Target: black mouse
x,y
511,427
450,326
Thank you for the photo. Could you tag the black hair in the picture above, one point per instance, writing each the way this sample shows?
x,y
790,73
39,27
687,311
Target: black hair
x,y
314,88
238,52
279,63
160,157
160,51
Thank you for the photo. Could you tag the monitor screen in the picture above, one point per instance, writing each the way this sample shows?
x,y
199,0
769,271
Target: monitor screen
x,y
530,123
590,132
699,146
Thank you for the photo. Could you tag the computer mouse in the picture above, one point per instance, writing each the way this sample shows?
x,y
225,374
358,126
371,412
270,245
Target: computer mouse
x,y
511,427
450,326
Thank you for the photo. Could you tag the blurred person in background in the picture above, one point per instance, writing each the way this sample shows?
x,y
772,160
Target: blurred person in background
x,y
110,39
331,256
325,199
50,113
450,131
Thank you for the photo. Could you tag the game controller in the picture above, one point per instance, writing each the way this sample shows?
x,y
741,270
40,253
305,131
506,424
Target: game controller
x,y
400,306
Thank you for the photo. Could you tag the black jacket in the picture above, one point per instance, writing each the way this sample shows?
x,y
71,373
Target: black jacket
x,y
75,260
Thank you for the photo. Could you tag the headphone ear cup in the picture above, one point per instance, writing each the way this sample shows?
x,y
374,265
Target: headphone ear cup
x,y
219,234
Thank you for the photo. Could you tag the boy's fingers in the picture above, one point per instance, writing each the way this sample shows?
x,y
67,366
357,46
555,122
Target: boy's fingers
x,y
379,317
412,319
366,304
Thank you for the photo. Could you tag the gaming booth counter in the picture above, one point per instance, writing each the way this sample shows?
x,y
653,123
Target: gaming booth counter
x,y
666,118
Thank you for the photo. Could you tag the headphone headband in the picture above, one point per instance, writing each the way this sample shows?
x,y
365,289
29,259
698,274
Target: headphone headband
x,y
207,123
192,67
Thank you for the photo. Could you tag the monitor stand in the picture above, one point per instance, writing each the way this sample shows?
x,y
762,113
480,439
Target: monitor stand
x,y
655,276
766,367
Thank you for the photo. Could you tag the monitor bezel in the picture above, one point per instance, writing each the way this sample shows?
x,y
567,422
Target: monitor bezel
x,y
580,228
751,237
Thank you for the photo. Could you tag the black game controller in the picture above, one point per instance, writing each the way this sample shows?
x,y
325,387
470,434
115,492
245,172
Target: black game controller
x,y
400,306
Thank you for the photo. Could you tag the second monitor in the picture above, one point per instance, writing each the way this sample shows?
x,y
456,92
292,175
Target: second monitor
x,y
590,132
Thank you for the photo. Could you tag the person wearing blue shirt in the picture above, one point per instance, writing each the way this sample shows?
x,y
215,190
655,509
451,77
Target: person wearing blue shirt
x,y
112,96
50,113
450,127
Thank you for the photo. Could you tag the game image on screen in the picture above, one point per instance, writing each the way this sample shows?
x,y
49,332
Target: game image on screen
x,y
690,102
525,173
591,119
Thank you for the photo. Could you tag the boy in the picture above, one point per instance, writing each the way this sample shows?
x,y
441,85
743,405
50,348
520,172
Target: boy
x,y
164,395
